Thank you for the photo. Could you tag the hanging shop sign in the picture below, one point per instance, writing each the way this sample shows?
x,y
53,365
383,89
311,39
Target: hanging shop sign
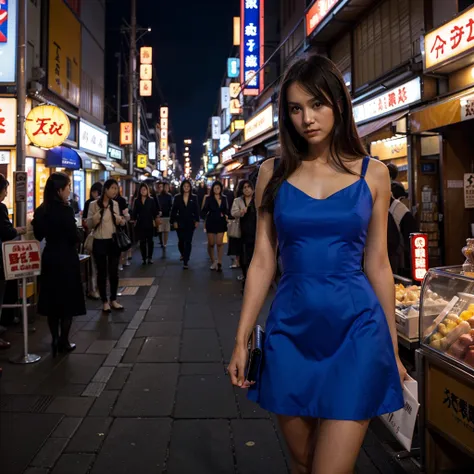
x,y
47,126
4,157
21,259
126,133
227,155
235,107
419,256
390,101
64,52
467,107
317,12
236,31
152,151
224,141
92,139
469,190
234,90
146,72
145,88
237,125
260,123
8,121
251,46
452,40
142,161
233,67
8,40
216,128
164,118
114,152
225,97
146,55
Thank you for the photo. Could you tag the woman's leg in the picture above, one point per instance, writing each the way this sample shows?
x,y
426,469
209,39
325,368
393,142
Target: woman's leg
x,y
211,242
101,263
64,344
299,434
220,247
143,248
53,323
93,279
188,245
180,243
150,245
165,238
112,267
338,445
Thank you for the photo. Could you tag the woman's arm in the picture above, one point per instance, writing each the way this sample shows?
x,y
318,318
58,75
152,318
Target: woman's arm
x,y
93,216
119,220
236,212
7,231
377,264
259,278
174,210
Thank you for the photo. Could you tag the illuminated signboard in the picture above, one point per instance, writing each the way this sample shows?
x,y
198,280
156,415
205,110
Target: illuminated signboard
x,y
164,114
316,14
126,133
8,39
142,161
93,139
419,256
47,126
251,46
152,151
146,55
8,121
389,101
260,123
146,71
450,40
216,128
233,67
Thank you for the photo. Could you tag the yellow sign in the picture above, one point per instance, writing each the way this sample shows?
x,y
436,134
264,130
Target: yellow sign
x,y
235,107
146,53
64,52
142,161
47,126
239,124
259,123
234,90
145,88
450,407
146,72
126,133
389,149
236,34
454,38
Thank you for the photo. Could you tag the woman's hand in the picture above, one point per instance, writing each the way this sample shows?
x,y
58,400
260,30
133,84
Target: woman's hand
x,y
237,366
402,372
243,212
21,230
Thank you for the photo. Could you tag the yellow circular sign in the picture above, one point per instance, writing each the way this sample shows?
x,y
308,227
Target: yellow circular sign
x,y
47,126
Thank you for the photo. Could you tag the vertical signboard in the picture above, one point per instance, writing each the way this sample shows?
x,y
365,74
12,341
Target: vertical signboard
x,y
419,256
164,115
8,40
216,128
251,46
225,97
8,121
146,71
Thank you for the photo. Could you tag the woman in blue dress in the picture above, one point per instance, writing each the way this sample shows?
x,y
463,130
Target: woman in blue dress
x,y
330,355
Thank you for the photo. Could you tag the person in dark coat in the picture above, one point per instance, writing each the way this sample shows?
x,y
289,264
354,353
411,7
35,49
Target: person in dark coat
x,y
7,232
201,193
185,219
126,257
61,294
145,214
165,201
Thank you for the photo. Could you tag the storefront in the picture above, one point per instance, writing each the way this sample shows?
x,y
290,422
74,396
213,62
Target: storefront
x,y
94,142
114,160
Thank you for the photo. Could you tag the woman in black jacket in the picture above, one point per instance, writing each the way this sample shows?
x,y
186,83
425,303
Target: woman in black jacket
x,y
165,201
185,219
144,214
61,293
7,232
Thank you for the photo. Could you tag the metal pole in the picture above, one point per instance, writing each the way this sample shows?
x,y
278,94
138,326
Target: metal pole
x,y
20,214
119,84
132,88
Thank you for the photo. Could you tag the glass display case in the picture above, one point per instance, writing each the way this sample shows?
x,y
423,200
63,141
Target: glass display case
x,y
447,315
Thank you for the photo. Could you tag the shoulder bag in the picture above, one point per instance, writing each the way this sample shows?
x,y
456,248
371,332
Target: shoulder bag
x,y
233,226
121,239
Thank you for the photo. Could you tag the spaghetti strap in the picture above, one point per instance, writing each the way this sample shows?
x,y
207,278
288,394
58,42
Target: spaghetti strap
x,y
365,165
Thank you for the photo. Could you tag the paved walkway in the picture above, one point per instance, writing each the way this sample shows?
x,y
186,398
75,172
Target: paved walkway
x,y
146,389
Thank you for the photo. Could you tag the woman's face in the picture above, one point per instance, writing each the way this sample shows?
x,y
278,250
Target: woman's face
x,y
217,190
186,187
95,195
112,191
144,192
167,188
3,194
312,120
160,188
65,193
247,190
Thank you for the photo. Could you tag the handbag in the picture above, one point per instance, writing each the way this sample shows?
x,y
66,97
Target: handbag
x,y
89,243
255,346
121,239
233,229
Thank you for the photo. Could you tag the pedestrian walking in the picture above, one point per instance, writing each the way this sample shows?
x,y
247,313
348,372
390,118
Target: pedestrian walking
x,y
145,216
233,229
7,232
104,218
185,219
61,294
201,193
326,205
155,194
124,212
216,212
166,203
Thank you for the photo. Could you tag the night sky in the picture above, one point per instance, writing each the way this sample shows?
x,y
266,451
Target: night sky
x,y
191,40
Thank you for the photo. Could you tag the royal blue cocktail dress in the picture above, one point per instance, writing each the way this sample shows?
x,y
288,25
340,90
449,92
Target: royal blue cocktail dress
x,y
328,351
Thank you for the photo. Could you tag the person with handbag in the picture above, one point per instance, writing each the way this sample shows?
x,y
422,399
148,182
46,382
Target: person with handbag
x,y
61,294
145,215
233,230
165,200
104,217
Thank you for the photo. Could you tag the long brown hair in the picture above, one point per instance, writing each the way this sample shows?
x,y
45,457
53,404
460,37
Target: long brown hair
x,y
320,77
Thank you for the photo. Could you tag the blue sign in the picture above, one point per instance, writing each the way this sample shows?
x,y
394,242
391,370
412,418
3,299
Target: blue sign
x,y
233,67
8,40
63,157
251,50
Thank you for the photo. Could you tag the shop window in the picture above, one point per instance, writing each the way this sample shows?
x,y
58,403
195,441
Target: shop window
x,y
463,4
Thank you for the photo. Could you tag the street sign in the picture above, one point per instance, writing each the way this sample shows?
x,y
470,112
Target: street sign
x,y
142,161
21,181
21,259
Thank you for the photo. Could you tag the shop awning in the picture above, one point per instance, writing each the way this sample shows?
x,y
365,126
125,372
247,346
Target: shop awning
x,y
247,148
63,157
376,125
231,169
119,170
216,171
107,164
86,160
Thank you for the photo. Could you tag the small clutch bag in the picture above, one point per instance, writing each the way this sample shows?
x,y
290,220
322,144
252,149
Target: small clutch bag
x,y
255,354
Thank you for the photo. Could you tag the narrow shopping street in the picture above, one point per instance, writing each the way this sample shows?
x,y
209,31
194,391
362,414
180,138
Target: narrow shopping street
x,y
146,390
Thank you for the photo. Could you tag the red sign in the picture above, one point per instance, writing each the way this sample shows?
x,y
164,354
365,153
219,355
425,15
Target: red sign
x,y
21,259
419,256
316,14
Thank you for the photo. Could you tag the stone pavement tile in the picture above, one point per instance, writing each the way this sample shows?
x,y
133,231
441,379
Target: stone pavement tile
x,y
160,349
149,391
114,358
247,408
71,406
134,445
118,379
159,329
198,316
137,320
83,339
101,347
126,339
74,464
257,448
111,331
18,403
201,368
94,389
50,452
61,388
200,345
201,447
78,368
133,350
36,470
103,374
67,428
90,435
104,404
165,313
205,396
